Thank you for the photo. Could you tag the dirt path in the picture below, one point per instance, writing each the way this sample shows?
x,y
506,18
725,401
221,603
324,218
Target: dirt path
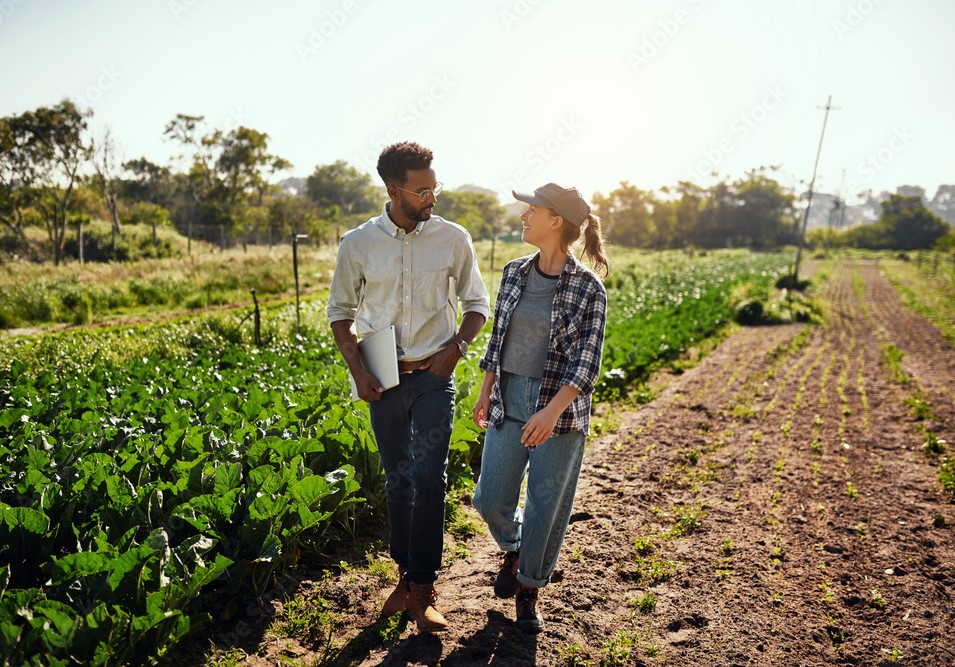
x,y
773,506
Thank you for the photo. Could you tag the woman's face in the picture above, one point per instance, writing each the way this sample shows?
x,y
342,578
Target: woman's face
x,y
537,223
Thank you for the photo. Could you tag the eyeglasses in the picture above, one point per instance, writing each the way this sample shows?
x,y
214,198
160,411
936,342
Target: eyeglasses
x,y
427,192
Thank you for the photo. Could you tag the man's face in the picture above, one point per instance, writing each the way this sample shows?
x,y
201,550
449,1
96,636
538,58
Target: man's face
x,y
412,206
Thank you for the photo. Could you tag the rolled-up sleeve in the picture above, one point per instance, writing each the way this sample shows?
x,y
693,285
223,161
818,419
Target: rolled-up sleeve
x,y
345,290
470,287
583,371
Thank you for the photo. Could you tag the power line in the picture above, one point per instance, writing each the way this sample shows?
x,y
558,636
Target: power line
x,y
812,184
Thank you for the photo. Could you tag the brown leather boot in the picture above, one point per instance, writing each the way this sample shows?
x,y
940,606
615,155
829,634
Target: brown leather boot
x,y
421,601
397,601
528,618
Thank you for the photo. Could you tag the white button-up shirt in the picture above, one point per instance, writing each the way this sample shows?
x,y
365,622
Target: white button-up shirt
x,y
385,276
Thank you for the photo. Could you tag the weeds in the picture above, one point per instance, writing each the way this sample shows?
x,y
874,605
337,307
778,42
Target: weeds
x,y
921,409
876,599
895,655
645,602
575,655
892,358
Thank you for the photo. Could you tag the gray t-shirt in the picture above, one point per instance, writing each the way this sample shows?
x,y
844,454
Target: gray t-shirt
x,y
524,351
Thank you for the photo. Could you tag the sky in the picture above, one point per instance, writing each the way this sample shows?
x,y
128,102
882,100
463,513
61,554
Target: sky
x,y
511,94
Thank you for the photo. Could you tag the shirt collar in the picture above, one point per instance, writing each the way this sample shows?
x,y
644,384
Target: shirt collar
x,y
388,225
570,266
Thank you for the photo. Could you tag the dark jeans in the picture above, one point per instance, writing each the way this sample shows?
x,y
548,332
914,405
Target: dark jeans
x,y
412,424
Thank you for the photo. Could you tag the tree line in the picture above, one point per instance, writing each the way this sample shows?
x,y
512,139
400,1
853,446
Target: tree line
x,y
55,173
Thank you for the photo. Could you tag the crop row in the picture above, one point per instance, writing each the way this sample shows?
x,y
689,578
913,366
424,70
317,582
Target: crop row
x,y
141,494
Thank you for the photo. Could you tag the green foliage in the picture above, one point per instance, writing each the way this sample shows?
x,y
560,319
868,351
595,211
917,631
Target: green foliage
x,y
145,482
163,473
339,189
755,211
134,243
946,474
657,318
479,213
905,224
892,358
146,214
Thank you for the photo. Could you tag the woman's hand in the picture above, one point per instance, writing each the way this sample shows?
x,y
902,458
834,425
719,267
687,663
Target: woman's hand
x,y
539,427
481,409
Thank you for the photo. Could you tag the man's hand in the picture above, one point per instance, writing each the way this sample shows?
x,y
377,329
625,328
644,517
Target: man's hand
x,y
369,389
442,363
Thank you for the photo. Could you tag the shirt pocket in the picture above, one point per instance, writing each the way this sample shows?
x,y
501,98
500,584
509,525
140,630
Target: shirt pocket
x,y
565,331
431,282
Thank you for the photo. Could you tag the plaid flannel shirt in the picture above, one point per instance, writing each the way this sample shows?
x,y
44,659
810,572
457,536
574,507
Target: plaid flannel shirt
x,y
577,326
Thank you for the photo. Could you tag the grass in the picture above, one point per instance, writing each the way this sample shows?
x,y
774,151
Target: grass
x,y
307,618
645,602
616,650
892,358
40,294
946,474
925,292
575,655
851,491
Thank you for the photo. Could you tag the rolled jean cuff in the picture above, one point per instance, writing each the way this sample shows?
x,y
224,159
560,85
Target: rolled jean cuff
x,y
531,583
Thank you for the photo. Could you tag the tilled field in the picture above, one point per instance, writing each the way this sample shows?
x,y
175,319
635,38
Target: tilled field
x,y
773,506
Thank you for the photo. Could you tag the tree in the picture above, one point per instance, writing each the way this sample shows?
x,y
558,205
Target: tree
x,y
294,214
106,175
13,199
481,214
43,151
244,167
765,214
692,198
148,182
343,186
908,224
225,169
197,152
627,213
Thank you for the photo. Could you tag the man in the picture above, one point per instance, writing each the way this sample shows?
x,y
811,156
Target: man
x,y
397,269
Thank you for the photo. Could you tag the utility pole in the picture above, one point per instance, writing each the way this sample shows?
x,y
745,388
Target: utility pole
x,y
812,184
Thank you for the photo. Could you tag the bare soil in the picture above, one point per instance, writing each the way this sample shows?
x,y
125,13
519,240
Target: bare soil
x,y
775,500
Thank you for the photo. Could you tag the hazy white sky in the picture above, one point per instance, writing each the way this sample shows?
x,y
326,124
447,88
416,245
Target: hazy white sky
x,y
515,93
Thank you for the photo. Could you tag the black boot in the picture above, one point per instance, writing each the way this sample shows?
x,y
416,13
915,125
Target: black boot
x,y
506,584
528,620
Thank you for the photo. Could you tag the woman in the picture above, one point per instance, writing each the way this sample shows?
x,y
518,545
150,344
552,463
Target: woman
x,y
540,368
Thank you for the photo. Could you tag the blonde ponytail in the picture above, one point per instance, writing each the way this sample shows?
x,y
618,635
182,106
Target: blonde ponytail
x,y
593,242
594,246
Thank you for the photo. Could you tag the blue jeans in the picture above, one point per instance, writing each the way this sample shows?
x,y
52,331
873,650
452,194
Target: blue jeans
x,y
552,470
412,424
